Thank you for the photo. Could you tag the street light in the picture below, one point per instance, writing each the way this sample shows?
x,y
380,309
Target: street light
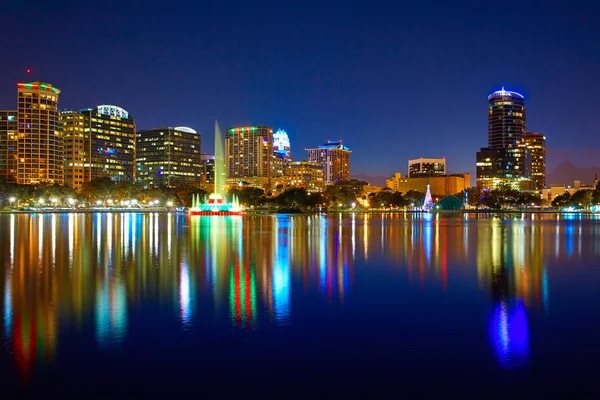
x,y
54,200
353,205
12,199
169,204
156,202
41,201
109,201
98,202
71,201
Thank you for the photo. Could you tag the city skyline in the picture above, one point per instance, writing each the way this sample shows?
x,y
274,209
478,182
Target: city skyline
x,y
340,88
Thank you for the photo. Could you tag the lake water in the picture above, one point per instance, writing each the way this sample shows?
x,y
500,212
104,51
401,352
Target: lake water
x,y
279,305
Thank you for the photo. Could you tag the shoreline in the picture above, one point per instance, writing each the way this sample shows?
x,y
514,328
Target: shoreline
x,y
266,212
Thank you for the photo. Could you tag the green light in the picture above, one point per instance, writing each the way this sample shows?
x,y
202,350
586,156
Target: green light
x,y
253,128
28,85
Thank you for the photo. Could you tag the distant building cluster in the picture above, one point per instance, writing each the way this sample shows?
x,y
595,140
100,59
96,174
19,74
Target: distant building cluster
x,y
39,143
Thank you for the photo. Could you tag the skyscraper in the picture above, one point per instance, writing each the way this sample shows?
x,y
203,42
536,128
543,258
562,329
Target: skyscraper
x,y
282,154
168,156
334,158
249,155
422,167
536,144
8,145
39,142
506,159
98,142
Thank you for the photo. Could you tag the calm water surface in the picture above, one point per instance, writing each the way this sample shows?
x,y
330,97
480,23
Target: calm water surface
x,y
142,303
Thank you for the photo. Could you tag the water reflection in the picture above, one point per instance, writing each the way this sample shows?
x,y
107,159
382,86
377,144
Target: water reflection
x,y
83,270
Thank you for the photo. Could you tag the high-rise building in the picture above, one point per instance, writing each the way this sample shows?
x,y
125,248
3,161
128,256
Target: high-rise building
x,y
334,158
506,160
422,167
282,154
168,156
249,155
536,144
208,168
98,142
306,174
39,134
8,145
76,156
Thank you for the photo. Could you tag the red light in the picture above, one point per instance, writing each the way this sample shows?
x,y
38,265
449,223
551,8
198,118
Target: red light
x,y
28,70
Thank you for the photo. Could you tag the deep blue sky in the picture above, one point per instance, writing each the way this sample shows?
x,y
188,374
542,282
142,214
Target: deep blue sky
x,y
394,80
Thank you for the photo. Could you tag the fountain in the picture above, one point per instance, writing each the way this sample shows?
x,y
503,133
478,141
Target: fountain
x,y
216,203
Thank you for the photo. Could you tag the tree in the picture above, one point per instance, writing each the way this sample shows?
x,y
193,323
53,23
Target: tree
x,y
528,199
293,198
596,196
185,194
414,198
473,196
316,200
562,200
99,189
581,199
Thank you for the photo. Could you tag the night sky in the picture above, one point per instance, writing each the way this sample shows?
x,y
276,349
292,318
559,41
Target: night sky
x,y
393,82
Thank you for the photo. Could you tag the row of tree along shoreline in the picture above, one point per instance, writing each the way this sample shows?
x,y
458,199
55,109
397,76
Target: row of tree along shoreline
x,y
105,195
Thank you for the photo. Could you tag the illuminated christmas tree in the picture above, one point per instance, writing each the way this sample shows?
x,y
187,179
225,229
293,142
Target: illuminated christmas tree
x,y
428,203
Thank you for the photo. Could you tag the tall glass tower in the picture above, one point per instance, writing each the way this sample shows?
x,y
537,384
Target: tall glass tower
x,y
506,160
506,119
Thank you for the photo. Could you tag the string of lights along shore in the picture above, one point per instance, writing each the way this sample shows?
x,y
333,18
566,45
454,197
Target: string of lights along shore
x,y
39,143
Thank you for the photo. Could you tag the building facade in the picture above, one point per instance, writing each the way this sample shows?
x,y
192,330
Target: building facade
x,y
75,151
168,156
422,167
536,144
334,159
98,142
207,161
446,185
506,159
39,134
307,175
8,145
249,155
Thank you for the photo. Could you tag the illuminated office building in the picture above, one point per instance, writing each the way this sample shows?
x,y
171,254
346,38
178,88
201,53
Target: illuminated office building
x,y
445,185
8,145
249,155
422,167
307,175
168,156
506,159
39,134
536,143
334,158
98,142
